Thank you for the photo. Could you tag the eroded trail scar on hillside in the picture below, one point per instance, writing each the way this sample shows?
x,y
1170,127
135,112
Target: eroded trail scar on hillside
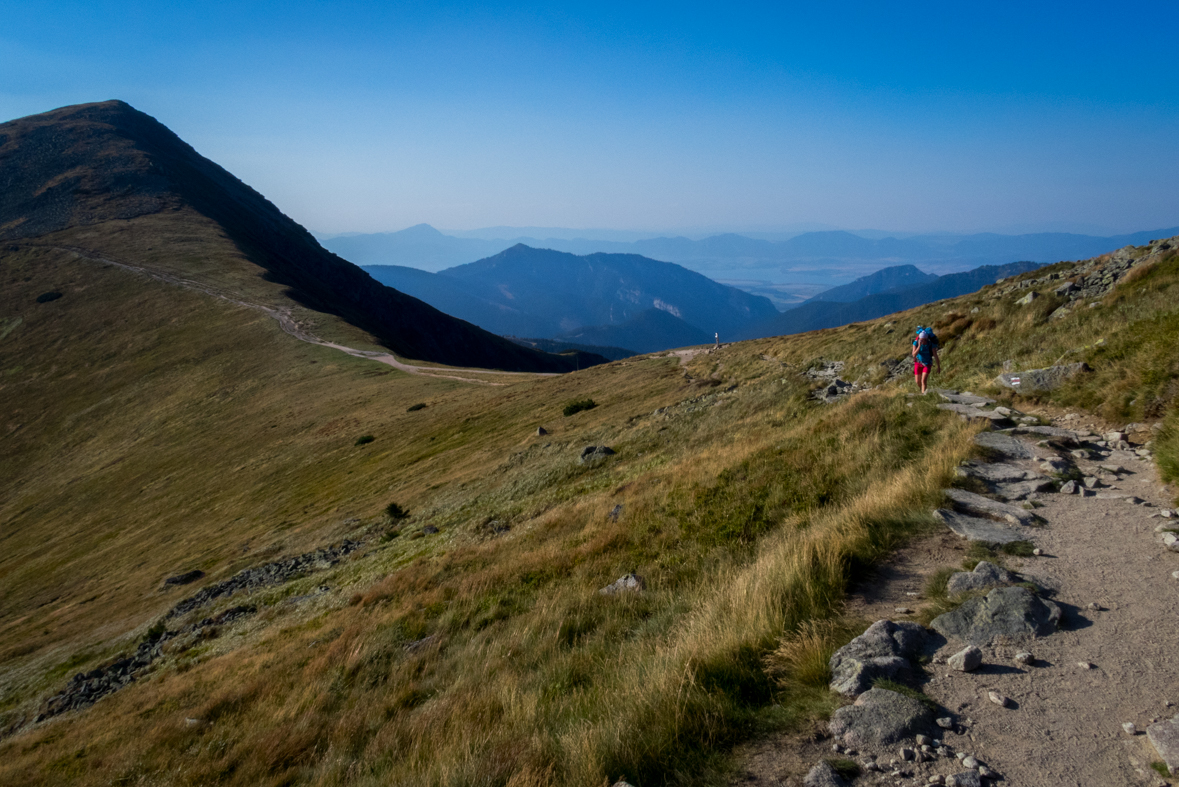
x,y
287,322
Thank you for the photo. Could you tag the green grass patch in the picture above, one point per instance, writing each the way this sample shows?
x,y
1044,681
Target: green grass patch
x,y
908,691
578,406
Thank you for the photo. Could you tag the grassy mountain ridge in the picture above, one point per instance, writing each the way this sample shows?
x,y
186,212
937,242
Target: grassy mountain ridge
x,y
481,653
106,163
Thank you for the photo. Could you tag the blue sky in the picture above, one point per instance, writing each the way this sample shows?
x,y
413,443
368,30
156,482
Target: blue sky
x,y
376,116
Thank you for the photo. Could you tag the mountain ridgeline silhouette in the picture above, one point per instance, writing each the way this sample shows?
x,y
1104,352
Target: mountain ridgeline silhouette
x,y
92,164
541,293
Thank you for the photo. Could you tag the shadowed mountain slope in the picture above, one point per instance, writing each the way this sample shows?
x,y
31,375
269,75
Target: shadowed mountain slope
x,y
646,332
93,164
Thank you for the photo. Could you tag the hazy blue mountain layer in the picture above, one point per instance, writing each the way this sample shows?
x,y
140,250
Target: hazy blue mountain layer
x,y
818,314
557,346
898,277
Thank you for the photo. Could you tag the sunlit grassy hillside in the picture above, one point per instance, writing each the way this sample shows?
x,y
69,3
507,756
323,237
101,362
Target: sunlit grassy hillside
x,y
154,429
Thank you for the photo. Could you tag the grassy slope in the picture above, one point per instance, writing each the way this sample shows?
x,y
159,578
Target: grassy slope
x,y
745,510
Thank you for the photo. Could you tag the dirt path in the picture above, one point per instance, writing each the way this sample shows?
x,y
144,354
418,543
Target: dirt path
x,y
1064,724
290,326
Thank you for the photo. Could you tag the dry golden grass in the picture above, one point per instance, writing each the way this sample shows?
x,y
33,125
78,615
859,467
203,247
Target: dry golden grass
x,y
190,433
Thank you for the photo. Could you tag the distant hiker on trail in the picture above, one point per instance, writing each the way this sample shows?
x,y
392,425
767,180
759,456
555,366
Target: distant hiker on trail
x,y
717,341
924,354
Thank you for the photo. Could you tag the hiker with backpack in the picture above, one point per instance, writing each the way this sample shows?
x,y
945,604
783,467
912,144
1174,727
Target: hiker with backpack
x,y
924,355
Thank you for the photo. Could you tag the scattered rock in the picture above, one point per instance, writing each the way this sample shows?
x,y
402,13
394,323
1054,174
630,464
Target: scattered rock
x,y
1037,552
615,512
880,718
1038,380
985,576
823,775
882,651
1025,658
541,431
592,454
1130,728
964,779
946,723
1027,299
1084,665
966,660
903,611
969,412
998,699
629,583
1068,488
1164,736
970,762
1007,614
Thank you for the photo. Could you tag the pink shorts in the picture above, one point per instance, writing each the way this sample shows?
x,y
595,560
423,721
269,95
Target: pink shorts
x,y
919,369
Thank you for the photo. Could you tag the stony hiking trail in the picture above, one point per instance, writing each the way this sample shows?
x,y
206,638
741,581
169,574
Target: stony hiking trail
x,y
290,326
1104,568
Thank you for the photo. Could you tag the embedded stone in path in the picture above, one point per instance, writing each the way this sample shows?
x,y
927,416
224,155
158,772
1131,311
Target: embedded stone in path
x,y
1011,614
823,775
954,397
973,503
974,528
1036,380
1011,447
881,718
970,412
882,651
985,576
994,472
1164,736
965,779
1021,490
1048,431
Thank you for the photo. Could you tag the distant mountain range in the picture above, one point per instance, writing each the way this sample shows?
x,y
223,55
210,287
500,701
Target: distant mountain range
x,y
817,314
834,256
620,300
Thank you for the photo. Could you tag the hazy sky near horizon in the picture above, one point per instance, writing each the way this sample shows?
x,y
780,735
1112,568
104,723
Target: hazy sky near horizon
x,y
373,116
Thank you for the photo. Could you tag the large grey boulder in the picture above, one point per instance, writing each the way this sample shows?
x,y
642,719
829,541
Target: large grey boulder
x,y
1039,380
974,528
985,575
972,503
880,718
1164,736
823,775
1007,615
1011,447
882,651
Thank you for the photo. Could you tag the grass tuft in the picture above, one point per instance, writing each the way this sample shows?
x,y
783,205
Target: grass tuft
x,y
364,439
578,405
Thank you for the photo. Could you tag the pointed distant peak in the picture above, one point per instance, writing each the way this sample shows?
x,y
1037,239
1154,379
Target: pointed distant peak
x,y
420,231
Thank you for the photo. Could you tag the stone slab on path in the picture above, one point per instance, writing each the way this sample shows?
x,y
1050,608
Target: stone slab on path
x,y
970,413
978,505
1005,615
884,650
953,397
1047,431
1010,447
995,472
1164,736
881,718
974,528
